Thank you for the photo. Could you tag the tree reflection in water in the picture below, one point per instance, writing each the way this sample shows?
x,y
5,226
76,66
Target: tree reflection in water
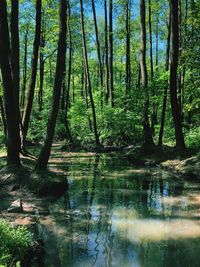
x,y
117,215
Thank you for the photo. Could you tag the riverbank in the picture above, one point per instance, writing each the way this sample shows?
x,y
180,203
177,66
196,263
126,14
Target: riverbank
x,y
186,165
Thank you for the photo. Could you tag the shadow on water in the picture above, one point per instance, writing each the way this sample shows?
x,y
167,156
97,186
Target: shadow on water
x,y
117,215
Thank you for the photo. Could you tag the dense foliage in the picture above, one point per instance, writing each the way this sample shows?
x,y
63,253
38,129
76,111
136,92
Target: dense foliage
x,y
14,243
120,119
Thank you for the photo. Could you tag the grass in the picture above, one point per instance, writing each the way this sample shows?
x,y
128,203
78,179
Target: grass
x,y
14,244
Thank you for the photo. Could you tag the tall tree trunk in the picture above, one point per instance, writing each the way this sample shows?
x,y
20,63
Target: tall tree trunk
x,y
106,51
151,42
13,133
180,144
164,105
128,47
111,52
25,66
60,67
42,46
88,76
157,32
148,140
34,61
98,52
15,66
68,132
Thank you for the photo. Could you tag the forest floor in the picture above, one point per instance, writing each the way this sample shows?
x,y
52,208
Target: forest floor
x,y
186,165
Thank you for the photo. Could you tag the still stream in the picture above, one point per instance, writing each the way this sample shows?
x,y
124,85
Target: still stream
x,y
118,215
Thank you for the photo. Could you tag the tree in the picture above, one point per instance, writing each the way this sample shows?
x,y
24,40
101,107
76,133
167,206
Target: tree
x,y
106,50
111,52
162,124
88,75
60,68
15,64
148,140
13,133
34,61
128,47
98,51
180,143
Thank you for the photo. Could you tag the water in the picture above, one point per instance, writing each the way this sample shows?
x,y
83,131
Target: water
x,y
118,215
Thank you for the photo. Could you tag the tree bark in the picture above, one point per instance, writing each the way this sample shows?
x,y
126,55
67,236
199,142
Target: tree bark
x,y
3,118
60,67
69,74
15,65
128,48
148,140
151,42
98,53
42,46
180,144
164,105
24,66
34,61
13,133
111,52
106,51
88,76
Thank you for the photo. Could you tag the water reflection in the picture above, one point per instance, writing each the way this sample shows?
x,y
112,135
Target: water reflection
x,y
115,215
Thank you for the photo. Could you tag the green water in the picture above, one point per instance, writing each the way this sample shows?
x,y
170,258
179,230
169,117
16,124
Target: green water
x,y
119,215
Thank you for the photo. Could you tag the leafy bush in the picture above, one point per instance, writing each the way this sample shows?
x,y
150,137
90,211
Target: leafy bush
x,y
192,138
14,243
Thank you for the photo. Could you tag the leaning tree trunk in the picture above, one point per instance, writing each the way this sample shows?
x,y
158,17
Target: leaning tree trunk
x,y
180,144
148,140
13,133
88,76
34,61
60,68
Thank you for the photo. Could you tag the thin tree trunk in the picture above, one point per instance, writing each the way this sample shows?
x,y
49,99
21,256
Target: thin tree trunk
x,y
157,31
162,124
25,66
180,144
60,65
128,48
98,52
68,132
88,76
148,140
106,51
13,132
111,52
151,42
42,46
34,61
